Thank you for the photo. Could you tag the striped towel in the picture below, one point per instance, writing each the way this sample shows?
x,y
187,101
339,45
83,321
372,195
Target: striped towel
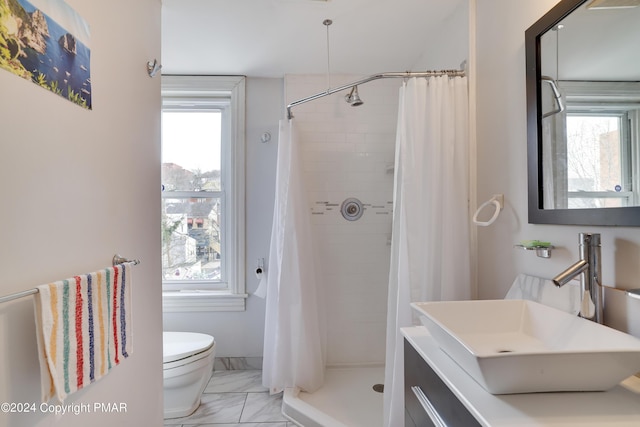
x,y
84,329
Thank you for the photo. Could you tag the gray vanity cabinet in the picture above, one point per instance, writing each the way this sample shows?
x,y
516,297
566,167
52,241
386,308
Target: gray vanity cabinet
x,y
428,401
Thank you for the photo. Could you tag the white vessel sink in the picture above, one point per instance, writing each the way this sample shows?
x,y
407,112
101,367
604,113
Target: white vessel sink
x,y
518,346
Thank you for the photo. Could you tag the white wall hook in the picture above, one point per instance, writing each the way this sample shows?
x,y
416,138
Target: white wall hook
x,y
498,201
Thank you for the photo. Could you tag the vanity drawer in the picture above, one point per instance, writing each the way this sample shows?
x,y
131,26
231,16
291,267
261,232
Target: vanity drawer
x,y
428,401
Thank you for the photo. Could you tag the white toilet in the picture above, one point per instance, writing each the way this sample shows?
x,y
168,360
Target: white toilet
x,y
187,366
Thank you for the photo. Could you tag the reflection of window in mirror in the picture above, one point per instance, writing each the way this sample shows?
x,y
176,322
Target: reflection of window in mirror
x,y
598,174
591,151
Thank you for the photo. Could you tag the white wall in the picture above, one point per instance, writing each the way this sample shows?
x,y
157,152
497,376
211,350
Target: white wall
x,y
502,168
79,186
241,334
447,45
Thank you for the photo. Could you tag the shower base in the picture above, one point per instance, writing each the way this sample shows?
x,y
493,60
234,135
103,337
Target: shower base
x,y
346,399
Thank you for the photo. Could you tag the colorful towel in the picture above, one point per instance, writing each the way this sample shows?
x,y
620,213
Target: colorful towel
x,y
84,329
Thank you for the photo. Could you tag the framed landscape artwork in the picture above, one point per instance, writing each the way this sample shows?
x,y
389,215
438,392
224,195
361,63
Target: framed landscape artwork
x,y
47,42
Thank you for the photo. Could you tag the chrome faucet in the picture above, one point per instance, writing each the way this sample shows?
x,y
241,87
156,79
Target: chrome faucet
x,y
591,293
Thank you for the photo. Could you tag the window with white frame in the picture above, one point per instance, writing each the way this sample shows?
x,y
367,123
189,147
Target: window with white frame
x,y
203,193
599,154
593,146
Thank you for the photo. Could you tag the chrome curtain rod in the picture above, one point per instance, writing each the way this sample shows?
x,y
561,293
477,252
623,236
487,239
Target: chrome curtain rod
x,y
117,260
393,75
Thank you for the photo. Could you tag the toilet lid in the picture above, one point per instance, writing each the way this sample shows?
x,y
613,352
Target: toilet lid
x,y
178,345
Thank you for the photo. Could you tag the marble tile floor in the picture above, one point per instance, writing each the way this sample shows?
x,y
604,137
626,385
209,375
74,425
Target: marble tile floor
x,y
235,398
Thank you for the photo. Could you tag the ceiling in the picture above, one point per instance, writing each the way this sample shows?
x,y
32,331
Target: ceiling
x,y
270,38
597,44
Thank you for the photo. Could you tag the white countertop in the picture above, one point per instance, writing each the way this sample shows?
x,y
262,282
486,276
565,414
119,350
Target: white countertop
x,y
619,406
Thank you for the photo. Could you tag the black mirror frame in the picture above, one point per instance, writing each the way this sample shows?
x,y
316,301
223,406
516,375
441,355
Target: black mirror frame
x,y
628,216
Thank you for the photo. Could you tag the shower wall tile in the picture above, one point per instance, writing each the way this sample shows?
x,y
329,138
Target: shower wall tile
x,y
350,182
388,140
376,253
355,137
349,152
359,343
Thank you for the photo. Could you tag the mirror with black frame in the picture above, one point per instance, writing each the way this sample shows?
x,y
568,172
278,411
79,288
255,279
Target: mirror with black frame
x,y
583,114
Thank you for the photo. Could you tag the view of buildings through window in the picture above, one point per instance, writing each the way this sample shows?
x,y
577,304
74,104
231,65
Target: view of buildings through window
x,y
193,197
595,161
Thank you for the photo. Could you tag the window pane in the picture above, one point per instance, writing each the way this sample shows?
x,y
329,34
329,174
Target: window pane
x,y
594,153
191,239
191,150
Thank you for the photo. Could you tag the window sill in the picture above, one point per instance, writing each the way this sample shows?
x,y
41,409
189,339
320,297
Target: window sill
x,y
191,301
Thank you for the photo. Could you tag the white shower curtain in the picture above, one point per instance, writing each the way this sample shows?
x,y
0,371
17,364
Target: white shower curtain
x,y
554,162
294,338
430,258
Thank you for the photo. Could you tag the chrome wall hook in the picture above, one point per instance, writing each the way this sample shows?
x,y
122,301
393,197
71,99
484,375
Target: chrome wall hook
x,y
153,67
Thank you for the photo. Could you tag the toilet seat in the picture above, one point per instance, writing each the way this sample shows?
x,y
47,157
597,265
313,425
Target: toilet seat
x,y
181,348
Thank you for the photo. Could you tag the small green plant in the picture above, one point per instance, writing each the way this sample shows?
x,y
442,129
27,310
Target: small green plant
x,y
53,87
76,98
42,80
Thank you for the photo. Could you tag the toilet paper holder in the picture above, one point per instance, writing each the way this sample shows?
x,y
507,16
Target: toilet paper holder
x,y
260,268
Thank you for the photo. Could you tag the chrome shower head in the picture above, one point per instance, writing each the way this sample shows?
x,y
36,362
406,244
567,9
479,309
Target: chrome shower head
x,y
353,98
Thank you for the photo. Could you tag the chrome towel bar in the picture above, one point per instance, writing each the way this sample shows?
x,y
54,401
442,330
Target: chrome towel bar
x,y
117,259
